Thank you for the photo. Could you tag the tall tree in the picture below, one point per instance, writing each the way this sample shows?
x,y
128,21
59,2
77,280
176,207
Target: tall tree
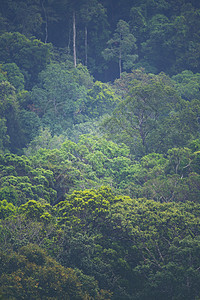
x,y
121,47
49,15
89,10
58,96
74,38
74,7
153,117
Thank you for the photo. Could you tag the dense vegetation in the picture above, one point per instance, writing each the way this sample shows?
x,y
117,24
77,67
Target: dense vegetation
x,y
100,149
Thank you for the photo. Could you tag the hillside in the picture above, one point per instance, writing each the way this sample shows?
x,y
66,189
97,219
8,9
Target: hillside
x,y
100,149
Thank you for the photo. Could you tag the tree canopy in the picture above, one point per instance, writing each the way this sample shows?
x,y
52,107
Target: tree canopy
x,y
100,149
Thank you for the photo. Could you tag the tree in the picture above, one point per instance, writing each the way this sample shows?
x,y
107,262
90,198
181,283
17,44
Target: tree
x,y
121,46
23,16
157,48
35,275
20,182
82,210
188,85
9,115
101,99
14,75
58,97
49,16
6,209
186,42
153,118
72,8
90,9
138,23
30,55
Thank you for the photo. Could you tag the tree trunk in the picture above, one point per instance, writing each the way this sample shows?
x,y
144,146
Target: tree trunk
x,y
69,41
74,38
120,63
86,48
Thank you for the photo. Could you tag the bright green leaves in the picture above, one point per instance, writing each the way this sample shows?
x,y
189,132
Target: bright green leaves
x,y
20,182
125,214
101,99
67,96
6,209
85,209
116,239
36,211
93,161
90,162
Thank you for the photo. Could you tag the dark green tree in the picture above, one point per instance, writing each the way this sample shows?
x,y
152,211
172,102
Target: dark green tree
x,y
31,56
58,98
153,117
121,47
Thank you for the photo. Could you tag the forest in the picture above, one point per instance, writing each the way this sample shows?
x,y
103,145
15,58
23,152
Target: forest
x,y
100,149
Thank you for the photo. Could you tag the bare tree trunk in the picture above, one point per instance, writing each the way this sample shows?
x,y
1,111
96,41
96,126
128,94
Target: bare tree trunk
x,y
86,48
74,38
120,63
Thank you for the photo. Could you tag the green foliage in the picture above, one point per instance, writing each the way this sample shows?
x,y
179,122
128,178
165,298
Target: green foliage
x,y
4,138
153,117
84,209
90,162
21,182
188,84
120,47
87,216
6,209
35,275
167,32
160,31
35,210
150,231
45,140
186,27
101,99
24,17
115,239
66,96
58,98
14,75
31,56
87,128
30,124
9,114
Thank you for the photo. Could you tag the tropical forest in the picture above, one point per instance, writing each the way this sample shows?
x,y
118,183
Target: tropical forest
x,y
100,149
